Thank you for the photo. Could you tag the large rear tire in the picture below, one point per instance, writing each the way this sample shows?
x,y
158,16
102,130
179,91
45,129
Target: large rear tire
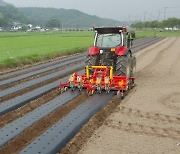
x,y
92,60
133,66
123,65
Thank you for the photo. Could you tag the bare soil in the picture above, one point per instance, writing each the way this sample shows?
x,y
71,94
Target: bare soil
x,y
148,119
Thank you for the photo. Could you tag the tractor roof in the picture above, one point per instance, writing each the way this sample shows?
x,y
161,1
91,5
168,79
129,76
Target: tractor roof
x,y
106,30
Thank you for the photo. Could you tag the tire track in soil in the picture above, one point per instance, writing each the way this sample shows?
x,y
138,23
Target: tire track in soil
x,y
169,132
157,58
29,134
155,46
148,115
169,98
142,129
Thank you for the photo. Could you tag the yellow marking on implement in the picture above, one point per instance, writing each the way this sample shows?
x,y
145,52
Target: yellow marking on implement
x,y
113,49
121,83
91,81
87,71
111,72
99,66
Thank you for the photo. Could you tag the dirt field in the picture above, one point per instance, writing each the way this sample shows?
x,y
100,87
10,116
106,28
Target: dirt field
x,y
148,119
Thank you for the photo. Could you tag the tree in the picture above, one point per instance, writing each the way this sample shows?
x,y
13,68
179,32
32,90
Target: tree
x,y
3,22
154,24
169,23
53,23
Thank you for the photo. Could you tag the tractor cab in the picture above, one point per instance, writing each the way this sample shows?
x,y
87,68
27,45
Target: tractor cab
x,y
109,44
111,37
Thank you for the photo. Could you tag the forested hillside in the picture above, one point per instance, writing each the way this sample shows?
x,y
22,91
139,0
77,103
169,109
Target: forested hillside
x,y
2,3
67,18
50,17
9,14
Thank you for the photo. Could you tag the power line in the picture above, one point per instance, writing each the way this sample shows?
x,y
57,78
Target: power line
x,y
159,14
174,7
165,9
165,12
145,16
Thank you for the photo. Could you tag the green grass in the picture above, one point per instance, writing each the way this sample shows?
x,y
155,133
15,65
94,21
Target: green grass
x,y
148,33
20,48
23,48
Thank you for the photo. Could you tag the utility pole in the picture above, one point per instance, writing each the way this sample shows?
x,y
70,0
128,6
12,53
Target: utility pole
x,y
159,15
165,9
165,12
135,18
129,19
62,25
145,16
150,17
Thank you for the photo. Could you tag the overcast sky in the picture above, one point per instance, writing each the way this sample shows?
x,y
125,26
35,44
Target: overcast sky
x,y
114,9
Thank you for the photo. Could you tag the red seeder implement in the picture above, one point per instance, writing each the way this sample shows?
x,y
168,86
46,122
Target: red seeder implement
x,y
101,79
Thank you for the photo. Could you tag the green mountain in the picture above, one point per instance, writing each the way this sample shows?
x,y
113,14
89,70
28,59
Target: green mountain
x,y
67,17
2,3
9,14
50,17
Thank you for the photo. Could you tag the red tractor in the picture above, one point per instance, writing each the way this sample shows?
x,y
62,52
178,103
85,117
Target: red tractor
x,y
112,47
110,64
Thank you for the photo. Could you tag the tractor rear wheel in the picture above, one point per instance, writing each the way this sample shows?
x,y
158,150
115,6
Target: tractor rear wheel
x,y
123,65
92,60
133,66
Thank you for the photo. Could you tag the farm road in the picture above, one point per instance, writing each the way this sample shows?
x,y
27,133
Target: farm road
x,y
148,119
